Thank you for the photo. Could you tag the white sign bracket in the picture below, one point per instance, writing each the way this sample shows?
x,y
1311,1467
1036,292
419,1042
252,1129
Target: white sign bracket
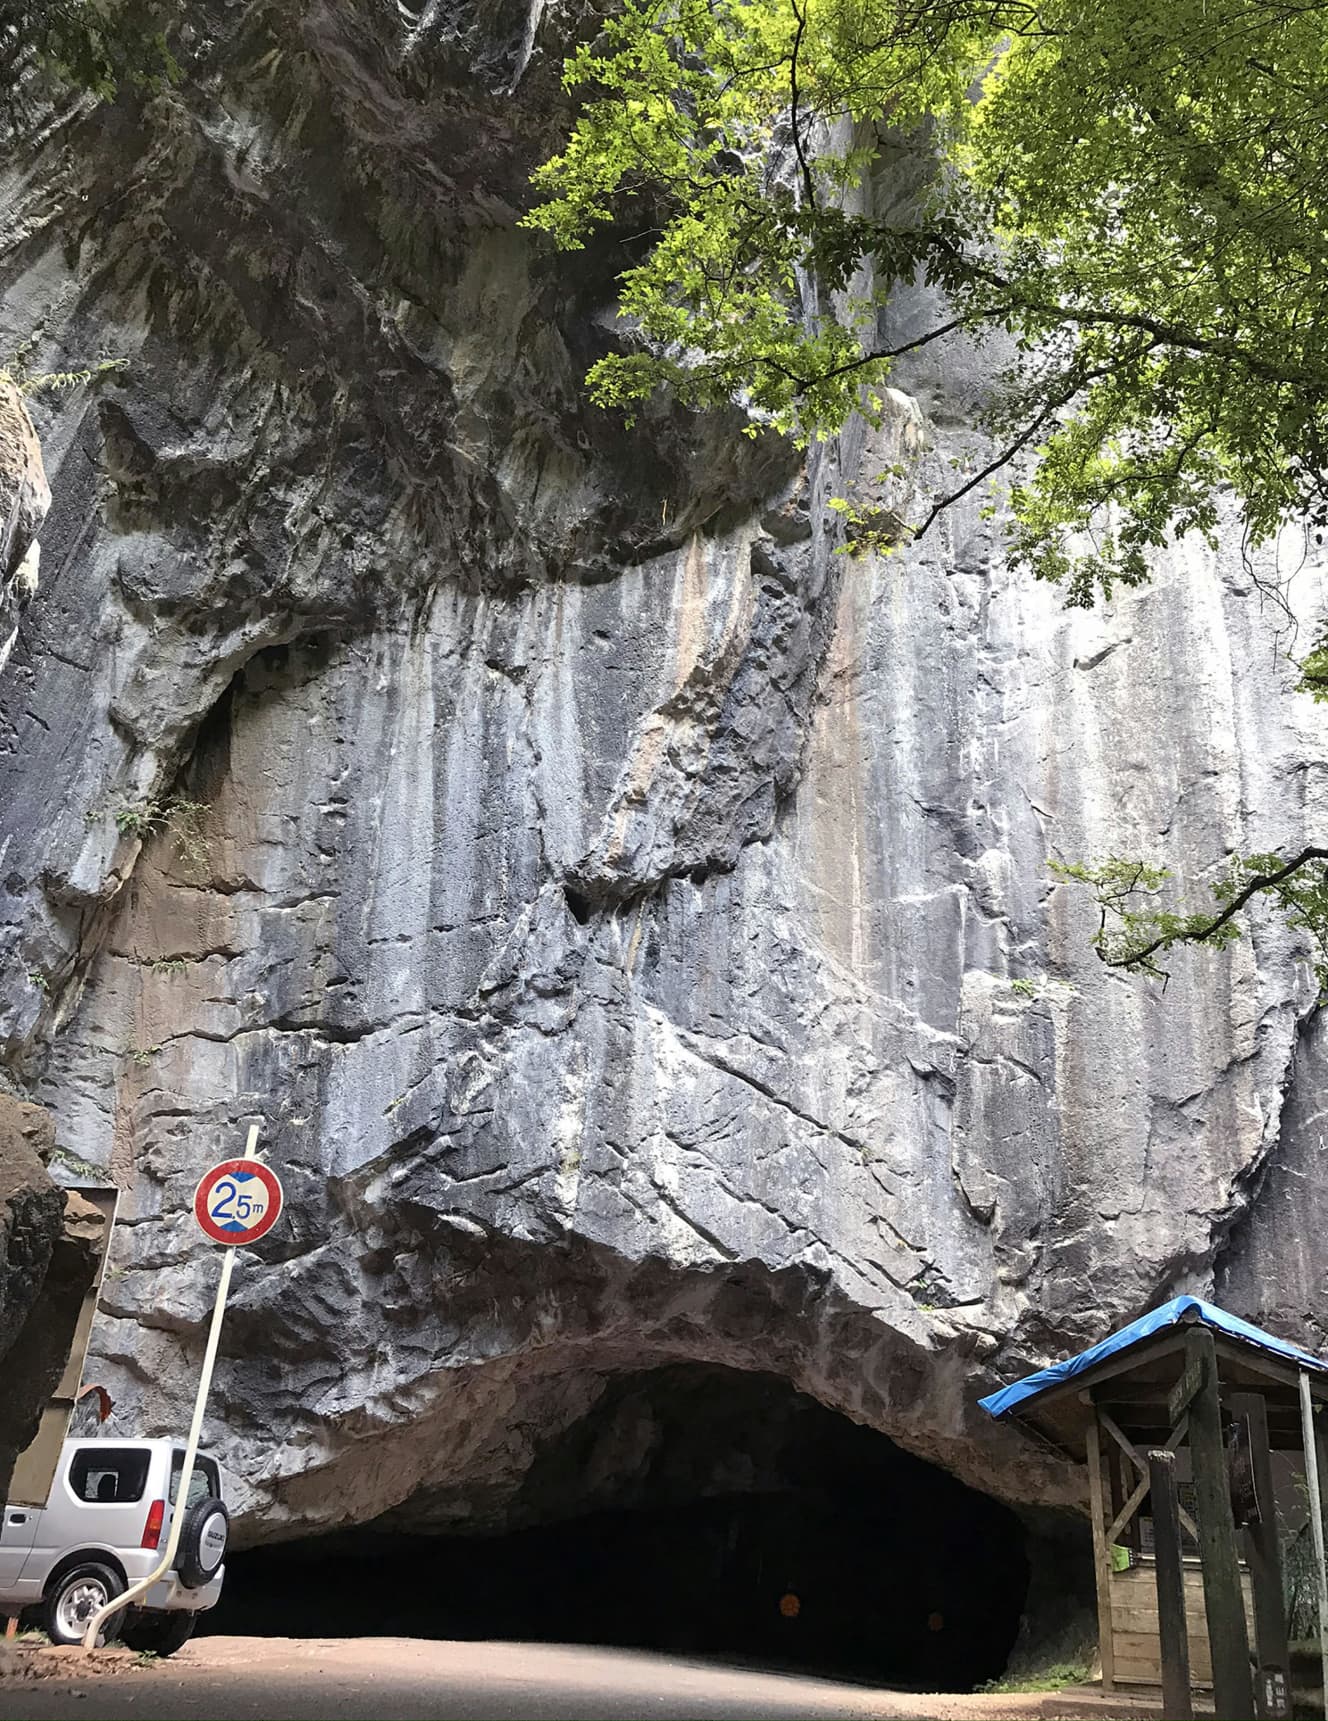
x,y
132,1594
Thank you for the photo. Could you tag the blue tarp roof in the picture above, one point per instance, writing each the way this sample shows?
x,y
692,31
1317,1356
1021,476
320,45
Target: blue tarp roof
x,y
1169,1315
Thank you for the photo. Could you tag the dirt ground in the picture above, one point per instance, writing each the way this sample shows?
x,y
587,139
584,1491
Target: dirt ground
x,y
407,1677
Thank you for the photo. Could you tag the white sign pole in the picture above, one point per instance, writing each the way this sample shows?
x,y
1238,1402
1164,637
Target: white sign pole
x,y
1316,1517
143,1585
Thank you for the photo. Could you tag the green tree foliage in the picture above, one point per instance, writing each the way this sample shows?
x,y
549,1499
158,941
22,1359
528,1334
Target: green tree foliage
x,y
1136,929
1130,195
96,45
1133,192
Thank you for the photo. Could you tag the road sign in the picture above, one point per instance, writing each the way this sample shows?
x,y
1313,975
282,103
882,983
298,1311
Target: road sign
x,y
237,1202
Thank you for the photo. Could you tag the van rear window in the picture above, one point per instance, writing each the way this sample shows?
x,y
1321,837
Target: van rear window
x,y
203,1481
109,1475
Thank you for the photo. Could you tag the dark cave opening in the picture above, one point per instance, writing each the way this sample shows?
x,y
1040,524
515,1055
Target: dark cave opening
x,y
695,1510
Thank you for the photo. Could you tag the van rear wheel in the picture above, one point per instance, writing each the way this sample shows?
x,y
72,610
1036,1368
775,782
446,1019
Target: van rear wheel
x,y
75,1596
157,1633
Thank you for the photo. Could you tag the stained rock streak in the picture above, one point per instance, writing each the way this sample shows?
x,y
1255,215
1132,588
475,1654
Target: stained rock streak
x,y
630,917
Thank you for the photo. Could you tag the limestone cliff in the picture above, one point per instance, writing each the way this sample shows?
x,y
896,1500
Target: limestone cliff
x,y
24,500
50,1251
630,918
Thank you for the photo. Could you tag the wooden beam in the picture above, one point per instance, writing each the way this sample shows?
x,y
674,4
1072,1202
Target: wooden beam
x,y
1320,1421
1141,1394
1123,1505
1272,1691
1123,1441
1134,1392
1101,1557
1115,1486
1128,1510
1314,1480
1285,1373
1224,1603
1172,1631
1280,1438
1123,1363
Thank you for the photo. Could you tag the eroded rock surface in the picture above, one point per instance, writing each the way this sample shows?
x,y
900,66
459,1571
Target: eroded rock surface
x,y
630,919
25,497
50,1250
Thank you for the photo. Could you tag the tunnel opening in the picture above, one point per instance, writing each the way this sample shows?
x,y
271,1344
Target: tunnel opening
x,y
696,1510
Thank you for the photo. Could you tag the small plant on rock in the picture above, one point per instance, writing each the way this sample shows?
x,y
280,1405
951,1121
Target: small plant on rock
x,y
80,1167
183,818
58,381
136,819
1042,986
185,821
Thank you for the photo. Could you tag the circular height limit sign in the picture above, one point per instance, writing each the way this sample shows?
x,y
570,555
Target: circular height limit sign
x,y
238,1201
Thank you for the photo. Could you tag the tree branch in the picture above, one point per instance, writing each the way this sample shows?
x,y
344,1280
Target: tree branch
x,y
1064,396
808,184
1261,881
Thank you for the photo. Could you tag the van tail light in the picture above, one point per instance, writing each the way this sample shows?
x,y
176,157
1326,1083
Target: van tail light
x,y
152,1529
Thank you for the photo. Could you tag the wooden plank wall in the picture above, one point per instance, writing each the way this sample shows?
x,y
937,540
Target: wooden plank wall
x,y
1136,1655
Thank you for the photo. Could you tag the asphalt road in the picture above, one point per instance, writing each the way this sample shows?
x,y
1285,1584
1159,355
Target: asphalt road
x,y
234,1677
401,1679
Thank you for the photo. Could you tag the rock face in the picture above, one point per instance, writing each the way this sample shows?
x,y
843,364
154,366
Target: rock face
x,y
25,497
629,918
50,1249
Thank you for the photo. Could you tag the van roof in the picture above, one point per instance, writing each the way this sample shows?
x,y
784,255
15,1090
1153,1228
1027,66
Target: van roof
x,y
150,1441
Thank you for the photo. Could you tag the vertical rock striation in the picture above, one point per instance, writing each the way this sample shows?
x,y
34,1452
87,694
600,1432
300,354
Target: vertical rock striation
x,y
50,1250
630,917
25,497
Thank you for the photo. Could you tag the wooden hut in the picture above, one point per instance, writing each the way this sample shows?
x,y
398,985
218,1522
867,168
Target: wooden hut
x,y
1181,1601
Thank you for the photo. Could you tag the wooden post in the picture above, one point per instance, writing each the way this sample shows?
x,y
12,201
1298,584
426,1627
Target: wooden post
x,y
1272,1694
1321,1453
1170,1586
1101,1556
1113,1483
1313,1480
1224,1604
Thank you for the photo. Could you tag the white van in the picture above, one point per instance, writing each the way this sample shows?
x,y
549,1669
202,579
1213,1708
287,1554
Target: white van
x,y
106,1518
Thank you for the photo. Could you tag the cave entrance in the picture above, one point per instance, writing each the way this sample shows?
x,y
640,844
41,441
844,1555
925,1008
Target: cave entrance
x,y
698,1510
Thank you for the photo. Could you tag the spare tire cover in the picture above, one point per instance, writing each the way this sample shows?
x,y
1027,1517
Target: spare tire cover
x,y
203,1542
